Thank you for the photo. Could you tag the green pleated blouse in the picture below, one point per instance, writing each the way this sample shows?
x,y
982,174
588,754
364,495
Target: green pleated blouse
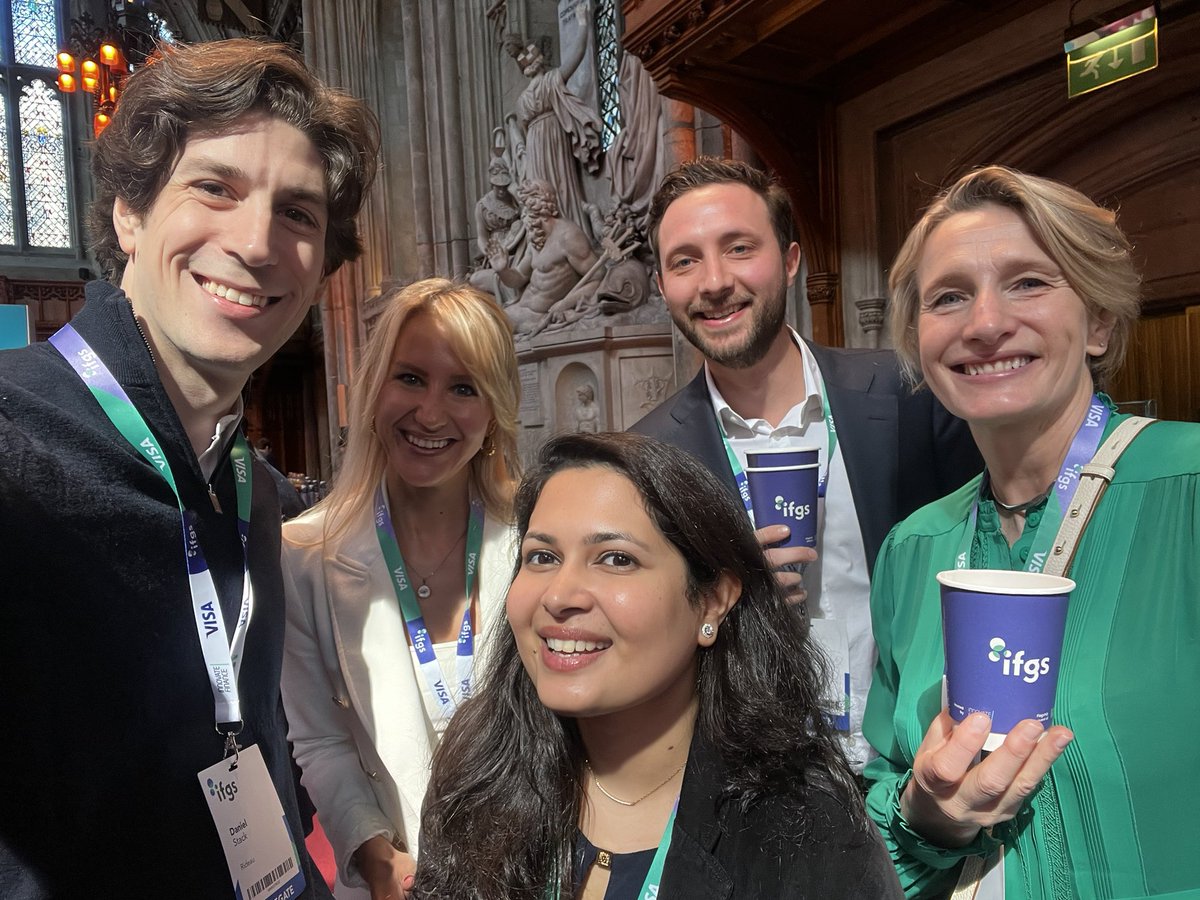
x,y
1119,814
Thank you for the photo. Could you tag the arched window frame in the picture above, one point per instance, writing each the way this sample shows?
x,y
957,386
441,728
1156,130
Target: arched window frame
x,y
21,257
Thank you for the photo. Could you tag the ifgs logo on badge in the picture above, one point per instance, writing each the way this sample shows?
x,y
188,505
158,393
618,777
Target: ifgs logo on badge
x,y
1015,664
222,791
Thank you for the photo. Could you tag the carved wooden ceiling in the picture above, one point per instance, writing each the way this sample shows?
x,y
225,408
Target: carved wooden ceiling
x,y
776,70
838,48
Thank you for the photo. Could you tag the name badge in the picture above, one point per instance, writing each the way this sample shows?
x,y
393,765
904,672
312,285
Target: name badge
x,y
833,640
258,848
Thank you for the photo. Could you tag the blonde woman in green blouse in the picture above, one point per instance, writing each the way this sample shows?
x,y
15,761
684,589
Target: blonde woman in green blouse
x,y
1013,300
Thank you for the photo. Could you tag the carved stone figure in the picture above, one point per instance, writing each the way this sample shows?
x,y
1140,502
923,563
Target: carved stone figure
x,y
587,413
632,160
560,132
499,229
558,265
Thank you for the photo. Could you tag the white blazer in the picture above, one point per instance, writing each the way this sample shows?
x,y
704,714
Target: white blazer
x,y
350,689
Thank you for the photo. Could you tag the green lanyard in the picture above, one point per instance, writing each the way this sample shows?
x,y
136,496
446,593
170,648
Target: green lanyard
x,y
222,653
739,474
414,621
649,888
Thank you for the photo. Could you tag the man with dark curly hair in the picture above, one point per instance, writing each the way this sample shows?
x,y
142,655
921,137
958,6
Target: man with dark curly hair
x,y
141,620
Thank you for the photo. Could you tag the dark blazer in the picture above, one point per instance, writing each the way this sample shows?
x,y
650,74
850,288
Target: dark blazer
x,y
902,448
720,852
109,710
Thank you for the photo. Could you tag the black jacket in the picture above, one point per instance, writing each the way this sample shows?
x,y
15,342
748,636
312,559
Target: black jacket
x,y
108,712
902,448
719,852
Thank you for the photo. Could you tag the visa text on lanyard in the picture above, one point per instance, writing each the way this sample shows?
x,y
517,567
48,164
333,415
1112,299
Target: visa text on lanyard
x,y
418,633
1084,445
222,656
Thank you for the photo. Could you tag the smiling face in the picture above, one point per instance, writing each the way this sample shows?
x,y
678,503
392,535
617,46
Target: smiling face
x,y
722,273
227,261
599,605
1002,336
429,415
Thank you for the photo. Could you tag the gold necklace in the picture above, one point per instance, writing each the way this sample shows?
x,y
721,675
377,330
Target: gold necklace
x,y
424,591
588,765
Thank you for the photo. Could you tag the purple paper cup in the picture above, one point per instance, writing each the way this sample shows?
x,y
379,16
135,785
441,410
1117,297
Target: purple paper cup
x,y
1003,635
786,495
794,456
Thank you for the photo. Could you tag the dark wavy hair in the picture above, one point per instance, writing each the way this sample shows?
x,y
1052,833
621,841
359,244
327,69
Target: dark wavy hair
x,y
204,88
507,787
706,170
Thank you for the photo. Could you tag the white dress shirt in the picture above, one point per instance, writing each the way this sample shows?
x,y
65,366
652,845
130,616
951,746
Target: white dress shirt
x,y
838,583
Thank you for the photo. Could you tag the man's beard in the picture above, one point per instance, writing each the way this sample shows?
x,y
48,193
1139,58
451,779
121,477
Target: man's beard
x,y
766,322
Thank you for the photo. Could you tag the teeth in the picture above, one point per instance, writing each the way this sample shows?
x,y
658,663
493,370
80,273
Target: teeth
x,y
233,295
1003,365
575,646
426,443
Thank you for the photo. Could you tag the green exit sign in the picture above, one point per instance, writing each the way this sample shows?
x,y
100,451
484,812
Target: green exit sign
x,y
1112,53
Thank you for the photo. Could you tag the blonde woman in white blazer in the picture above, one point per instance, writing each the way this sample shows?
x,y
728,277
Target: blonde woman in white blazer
x,y
397,580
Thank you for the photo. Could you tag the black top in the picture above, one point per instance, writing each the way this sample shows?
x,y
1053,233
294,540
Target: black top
x,y
721,852
108,708
626,871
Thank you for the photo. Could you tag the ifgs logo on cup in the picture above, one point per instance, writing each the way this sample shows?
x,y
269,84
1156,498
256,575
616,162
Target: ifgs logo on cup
x,y
1015,664
791,509
222,791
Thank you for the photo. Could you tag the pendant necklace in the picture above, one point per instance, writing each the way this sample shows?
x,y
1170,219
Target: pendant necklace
x,y
423,590
1019,508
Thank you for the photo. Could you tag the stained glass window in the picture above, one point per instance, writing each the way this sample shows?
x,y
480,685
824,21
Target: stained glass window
x,y
6,214
35,32
607,50
43,152
35,175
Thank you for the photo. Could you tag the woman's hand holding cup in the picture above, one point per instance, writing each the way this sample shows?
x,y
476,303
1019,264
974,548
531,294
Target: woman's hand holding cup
x,y
951,796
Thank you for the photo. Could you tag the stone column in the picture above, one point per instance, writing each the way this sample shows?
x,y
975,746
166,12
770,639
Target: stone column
x,y
418,133
339,47
679,133
870,318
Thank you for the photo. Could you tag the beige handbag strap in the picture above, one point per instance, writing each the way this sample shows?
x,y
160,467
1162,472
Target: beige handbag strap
x,y
1094,479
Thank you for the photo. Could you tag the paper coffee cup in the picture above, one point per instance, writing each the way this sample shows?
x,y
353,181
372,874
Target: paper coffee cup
x,y
786,495
780,456
1003,635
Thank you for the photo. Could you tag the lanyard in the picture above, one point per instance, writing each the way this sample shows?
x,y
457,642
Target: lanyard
x,y
650,885
649,889
418,633
1083,447
739,474
222,657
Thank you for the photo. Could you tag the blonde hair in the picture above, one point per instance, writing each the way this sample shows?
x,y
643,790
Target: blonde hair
x,y
478,332
1082,238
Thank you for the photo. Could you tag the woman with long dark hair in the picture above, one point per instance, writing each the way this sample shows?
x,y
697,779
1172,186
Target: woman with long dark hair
x,y
650,724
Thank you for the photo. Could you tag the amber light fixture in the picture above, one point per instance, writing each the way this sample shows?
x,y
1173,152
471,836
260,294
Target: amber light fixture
x,y
99,56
